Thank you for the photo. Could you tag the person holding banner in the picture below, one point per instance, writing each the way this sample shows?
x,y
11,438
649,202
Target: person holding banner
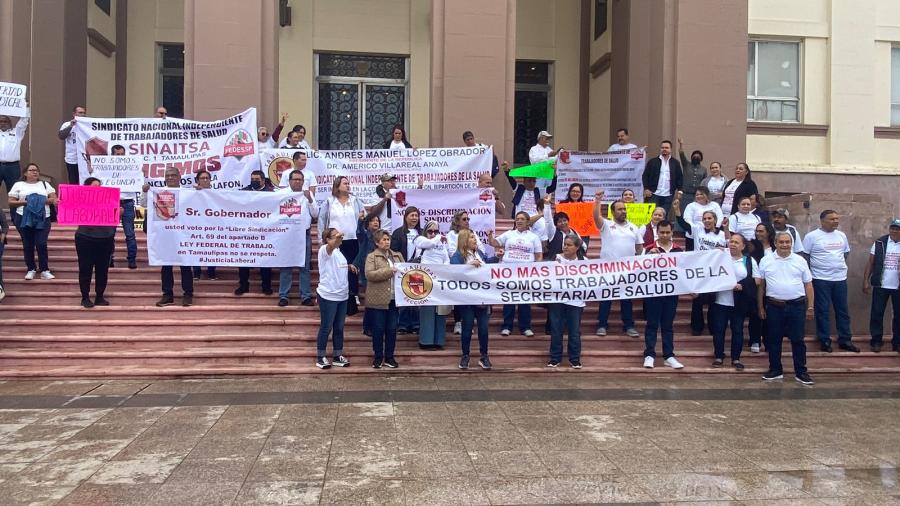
x,y
432,323
334,293
403,241
342,211
469,254
525,195
619,238
567,315
67,133
459,223
308,212
258,183
732,306
521,246
11,148
127,203
382,209
309,178
651,232
93,245
785,290
622,142
203,181
661,310
173,180
31,198
381,264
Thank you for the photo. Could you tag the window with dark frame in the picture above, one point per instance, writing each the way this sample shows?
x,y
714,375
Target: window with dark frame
x,y
170,88
600,17
104,5
532,106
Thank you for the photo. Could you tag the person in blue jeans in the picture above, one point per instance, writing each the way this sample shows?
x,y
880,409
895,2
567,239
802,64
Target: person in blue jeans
x,y
333,292
567,315
468,253
733,305
126,202
381,265
661,310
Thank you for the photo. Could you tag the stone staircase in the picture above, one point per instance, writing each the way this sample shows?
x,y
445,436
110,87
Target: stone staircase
x,y
46,333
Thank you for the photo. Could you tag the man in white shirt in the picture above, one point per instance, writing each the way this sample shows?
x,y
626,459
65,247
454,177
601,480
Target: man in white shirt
x,y
383,207
882,278
126,202
619,238
67,133
827,249
295,139
785,287
309,212
11,148
622,142
309,179
780,223
662,177
540,152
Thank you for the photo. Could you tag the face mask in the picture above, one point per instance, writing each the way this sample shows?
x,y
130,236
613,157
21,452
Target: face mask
x,y
695,161
256,185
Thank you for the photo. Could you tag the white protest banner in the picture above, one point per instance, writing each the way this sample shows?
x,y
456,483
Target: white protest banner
x,y
12,99
227,228
550,282
439,168
612,172
441,205
123,172
226,148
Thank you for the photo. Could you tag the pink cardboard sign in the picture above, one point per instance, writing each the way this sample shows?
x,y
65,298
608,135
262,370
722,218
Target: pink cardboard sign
x,y
88,205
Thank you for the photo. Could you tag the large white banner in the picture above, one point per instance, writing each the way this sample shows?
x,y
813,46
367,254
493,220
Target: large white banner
x,y
12,100
612,172
550,282
226,148
122,172
228,228
439,168
440,206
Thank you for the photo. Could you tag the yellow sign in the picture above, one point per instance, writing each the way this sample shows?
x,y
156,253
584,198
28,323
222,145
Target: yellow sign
x,y
639,214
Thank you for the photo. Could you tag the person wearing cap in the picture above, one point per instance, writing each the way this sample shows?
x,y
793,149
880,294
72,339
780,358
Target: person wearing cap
x,y
622,141
882,278
662,177
541,152
784,289
780,223
383,208
827,249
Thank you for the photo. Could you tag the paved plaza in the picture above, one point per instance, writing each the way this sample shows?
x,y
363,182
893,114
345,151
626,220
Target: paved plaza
x,y
467,439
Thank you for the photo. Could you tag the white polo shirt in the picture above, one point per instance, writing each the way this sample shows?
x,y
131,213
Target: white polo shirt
x,y
71,149
618,240
309,179
826,254
519,247
744,224
890,275
784,276
693,214
726,297
795,234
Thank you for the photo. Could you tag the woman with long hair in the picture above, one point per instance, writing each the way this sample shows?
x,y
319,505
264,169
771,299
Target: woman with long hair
x,y
342,211
403,241
575,193
731,307
203,181
566,315
469,254
715,182
398,138
381,265
93,245
693,213
521,246
333,292
736,189
761,246
432,324
744,221
29,203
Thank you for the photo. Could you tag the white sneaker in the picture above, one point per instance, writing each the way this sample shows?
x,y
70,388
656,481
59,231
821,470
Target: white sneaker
x,y
505,332
528,333
754,348
2,294
47,275
30,275
601,331
457,328
648,362
674,364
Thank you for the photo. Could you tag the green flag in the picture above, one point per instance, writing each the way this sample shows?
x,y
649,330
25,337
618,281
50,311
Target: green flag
x,y
542,170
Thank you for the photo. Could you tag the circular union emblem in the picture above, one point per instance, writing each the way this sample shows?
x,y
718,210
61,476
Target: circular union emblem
x,y
417,284
277,167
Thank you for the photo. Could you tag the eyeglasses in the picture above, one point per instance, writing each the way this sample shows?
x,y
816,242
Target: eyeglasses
x,y
465,219
430,232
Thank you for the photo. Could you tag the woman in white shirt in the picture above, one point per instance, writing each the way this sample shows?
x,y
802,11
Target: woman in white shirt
x,y
520,245
333,291
398,139
732,306
715,181
432,324
566,315
744,221
459,223
342,211
693,213
33,226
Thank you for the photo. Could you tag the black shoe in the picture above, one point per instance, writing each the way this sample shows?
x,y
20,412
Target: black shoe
x,y
367,332
876,348
402,332
340,361
464,362
112,262
895,348
282,302
187,300
438,347
737,365
553,363
576,364
426,347
771,375
267,291
307,302
804,379
696,332
100,301
826,347
86,303
376,363
323,363
241,290
132,265
717,363
352,308
390,362
849,347
165,301
196,277
485,363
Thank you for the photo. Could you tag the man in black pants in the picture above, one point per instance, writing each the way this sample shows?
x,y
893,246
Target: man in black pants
x,y
258,183
173,180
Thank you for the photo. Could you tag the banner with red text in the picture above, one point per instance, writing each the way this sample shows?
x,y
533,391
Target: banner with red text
x,y
441,205
88,205
439,168
612,172
226,148
227,228
554,282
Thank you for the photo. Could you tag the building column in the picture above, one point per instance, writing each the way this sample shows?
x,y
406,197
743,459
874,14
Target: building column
x,y
679,70
230,58
473,72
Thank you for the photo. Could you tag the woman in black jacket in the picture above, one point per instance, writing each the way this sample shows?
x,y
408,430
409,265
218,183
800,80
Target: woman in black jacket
x,y
402,242
93,245
742,186
733,306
